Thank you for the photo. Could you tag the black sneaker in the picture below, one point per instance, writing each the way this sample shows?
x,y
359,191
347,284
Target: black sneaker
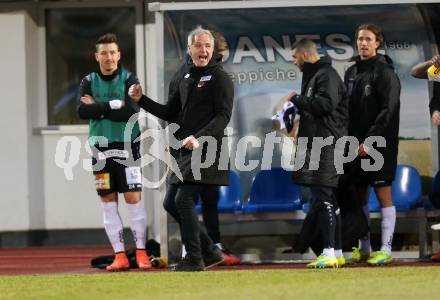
x,y
188,264
213,258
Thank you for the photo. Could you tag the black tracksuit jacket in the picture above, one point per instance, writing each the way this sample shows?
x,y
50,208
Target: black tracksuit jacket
x,y
323,107
374,90
201,104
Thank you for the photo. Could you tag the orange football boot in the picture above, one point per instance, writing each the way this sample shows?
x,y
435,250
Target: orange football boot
x,y
142,259
120,263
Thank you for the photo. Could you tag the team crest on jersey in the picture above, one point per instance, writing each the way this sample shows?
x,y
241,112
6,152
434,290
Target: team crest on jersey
x,y
367,90
102,181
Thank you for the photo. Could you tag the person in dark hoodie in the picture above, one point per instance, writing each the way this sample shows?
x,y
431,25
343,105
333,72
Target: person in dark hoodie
x,y
323,108
374,90
202,107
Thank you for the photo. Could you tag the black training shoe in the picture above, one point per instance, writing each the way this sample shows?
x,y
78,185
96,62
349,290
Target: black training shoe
x,y
213,258
188,265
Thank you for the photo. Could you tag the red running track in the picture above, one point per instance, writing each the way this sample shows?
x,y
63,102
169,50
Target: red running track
x,y
49,260
76,260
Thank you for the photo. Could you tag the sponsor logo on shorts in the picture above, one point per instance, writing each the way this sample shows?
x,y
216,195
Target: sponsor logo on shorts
x,y
102,181
133,175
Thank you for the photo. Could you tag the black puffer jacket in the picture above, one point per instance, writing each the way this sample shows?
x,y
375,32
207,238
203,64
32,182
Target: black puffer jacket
x,y
323,107
374,91
201,104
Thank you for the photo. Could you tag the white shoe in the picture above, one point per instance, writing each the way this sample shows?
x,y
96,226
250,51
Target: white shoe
x,y
435,226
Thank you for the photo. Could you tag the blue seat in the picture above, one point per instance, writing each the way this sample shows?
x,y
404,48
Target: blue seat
x,y
406,190
273,191
229,196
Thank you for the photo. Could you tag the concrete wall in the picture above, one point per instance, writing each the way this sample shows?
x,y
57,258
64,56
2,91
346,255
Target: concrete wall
x,y
14,142
36,195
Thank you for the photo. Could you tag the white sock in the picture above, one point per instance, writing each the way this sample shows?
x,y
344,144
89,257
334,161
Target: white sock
x,y
435,226
365,244
113,226
338,253
220,246
138,223
388,223
330,252
183,251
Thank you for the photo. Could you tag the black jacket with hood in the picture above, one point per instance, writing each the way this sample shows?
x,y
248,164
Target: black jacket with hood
x,y
323,107
200,102
374,91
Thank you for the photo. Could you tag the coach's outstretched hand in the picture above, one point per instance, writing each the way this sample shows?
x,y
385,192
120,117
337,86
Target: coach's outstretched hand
x,y
135,92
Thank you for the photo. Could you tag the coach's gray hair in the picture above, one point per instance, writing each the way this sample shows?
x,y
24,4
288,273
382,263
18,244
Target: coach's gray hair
x,y
197,31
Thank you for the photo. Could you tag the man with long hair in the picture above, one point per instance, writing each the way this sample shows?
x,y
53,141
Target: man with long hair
x,y
374,91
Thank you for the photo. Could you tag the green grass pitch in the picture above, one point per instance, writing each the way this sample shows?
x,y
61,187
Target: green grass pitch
x,y
350,283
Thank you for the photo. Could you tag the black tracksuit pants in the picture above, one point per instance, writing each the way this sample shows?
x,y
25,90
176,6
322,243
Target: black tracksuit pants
x,y
329,216
209,197
180,202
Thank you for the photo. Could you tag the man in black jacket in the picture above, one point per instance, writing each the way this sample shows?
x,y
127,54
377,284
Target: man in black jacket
x,y
202,107
323,111
374,91
209,195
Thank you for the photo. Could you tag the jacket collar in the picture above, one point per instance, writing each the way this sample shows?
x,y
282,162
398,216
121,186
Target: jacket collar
x,y
310,69
379,58
111,76
213,63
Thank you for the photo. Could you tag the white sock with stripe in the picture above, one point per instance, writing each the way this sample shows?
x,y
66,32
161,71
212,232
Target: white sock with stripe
x,y
138,223
113,225
365,244
387,225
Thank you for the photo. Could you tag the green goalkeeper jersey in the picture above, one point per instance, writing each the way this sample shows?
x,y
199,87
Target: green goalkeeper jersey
x,y
104,91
